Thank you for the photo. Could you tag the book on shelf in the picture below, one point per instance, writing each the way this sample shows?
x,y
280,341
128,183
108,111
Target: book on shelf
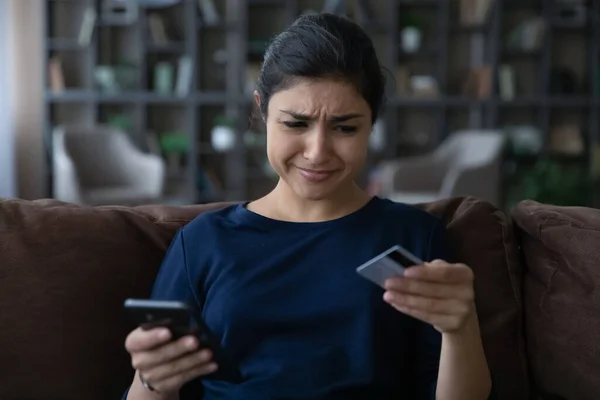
x,y
86,31
474,12
55,75
158,31
566,139
185,71
209,12
506,82
479,83
163,78
403,74
528,35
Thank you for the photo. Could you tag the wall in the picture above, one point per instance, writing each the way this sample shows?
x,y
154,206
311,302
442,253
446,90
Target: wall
x,y
7,147
27,61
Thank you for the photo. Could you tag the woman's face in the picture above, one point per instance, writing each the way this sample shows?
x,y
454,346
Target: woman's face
x,y
317,136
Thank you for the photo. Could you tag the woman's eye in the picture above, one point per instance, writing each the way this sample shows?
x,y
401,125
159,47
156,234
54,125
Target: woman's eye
x,y
346,128
295,124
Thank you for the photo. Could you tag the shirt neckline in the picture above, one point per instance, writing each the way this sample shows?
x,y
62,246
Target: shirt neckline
x,y
242,211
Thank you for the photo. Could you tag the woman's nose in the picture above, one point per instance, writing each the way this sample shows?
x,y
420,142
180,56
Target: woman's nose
x,y
317,147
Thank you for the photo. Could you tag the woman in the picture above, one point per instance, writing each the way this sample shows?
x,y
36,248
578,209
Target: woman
x,y
275,278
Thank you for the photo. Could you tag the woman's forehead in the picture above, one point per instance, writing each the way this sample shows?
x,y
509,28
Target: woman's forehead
x,y
316,96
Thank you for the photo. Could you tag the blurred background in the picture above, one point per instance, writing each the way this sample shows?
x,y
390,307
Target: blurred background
x,y
150,101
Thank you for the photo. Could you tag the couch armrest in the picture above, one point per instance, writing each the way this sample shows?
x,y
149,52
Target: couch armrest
x,y
65,183
421,174
145,172
480,181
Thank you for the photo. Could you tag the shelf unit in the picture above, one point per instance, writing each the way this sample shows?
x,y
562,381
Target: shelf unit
x,y
575,47
216,88
449,50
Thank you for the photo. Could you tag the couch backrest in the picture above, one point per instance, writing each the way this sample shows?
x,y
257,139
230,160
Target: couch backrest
x,y
483,238
562,298
65,271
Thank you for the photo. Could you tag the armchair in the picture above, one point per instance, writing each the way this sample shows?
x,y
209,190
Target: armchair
x,y
98,165
468,163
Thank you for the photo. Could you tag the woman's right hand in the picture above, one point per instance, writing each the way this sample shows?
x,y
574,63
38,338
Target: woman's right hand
x,y
164,364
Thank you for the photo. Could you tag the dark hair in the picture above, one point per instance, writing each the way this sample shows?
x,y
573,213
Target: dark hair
x,y
322,46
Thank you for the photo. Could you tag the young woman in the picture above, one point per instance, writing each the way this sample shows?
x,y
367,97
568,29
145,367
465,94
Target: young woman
x,y
276,279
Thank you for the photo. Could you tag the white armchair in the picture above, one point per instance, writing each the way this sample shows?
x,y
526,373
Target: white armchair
x,y
468,163
98,165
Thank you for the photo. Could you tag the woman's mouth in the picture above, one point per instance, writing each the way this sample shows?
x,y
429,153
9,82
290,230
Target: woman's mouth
x,y
315,176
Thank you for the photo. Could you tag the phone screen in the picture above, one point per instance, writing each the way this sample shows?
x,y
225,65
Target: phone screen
x,y
179,318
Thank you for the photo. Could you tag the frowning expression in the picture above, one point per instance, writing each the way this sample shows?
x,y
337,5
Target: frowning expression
x,y
317,136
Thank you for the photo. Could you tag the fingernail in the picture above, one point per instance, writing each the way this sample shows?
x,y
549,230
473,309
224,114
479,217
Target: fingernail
x,y
164,334
205,355
212,367
387,296
190,343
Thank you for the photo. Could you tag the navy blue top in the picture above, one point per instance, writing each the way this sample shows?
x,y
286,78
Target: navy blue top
x,y
286,301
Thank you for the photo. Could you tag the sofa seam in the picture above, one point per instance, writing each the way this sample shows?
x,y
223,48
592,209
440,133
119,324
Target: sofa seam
x,y
507,259
520,331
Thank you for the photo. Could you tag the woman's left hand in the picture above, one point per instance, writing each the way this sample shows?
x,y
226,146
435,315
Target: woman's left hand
x,y
438,293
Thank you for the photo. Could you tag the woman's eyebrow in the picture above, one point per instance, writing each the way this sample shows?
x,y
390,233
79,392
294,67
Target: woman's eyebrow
x,y
334,118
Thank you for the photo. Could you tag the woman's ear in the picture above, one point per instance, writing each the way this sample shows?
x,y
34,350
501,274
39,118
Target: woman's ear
x,y
257,98
257,101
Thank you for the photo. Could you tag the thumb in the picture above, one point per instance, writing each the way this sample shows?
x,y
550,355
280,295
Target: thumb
x,y
437,261
143,340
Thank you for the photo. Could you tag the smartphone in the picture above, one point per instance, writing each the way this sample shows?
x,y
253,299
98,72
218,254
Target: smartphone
x,y
388,264
179,318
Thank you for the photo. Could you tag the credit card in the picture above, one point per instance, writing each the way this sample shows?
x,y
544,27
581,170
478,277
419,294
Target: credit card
x,y
388,264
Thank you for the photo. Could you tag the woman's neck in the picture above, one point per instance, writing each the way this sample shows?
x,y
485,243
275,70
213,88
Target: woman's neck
x,y
283,204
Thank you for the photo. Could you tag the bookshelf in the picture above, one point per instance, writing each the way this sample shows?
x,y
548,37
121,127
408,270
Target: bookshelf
x,y
223,54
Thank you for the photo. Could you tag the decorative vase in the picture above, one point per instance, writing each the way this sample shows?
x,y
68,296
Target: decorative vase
x,y
222,138
411,39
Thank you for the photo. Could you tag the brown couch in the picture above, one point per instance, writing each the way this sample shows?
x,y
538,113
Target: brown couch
x,y
65,271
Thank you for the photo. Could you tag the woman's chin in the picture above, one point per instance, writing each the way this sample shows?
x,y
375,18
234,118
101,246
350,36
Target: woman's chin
x,y
313,192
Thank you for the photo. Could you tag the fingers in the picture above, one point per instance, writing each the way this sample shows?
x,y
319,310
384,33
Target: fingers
x,y
141,340
441,272
198,360
430,305
441,322
437,293
175,382
144,360
428,289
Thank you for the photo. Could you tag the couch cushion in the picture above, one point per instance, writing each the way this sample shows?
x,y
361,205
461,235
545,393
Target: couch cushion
x,y
562,297
482,237
66,271
64,274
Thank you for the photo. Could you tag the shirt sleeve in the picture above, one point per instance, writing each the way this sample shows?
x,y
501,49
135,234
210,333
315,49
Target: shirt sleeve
x,y
173,283
429,340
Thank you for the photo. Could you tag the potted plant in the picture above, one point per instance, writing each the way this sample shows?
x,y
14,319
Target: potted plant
x,y
551,182
411,33
223,134
174,145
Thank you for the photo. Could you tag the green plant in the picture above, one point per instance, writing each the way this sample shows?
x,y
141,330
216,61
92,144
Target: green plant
x,y
412,20
174,142
223,120
551,182
120,121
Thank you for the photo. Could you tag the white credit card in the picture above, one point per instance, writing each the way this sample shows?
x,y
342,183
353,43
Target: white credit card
x,y
388,264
